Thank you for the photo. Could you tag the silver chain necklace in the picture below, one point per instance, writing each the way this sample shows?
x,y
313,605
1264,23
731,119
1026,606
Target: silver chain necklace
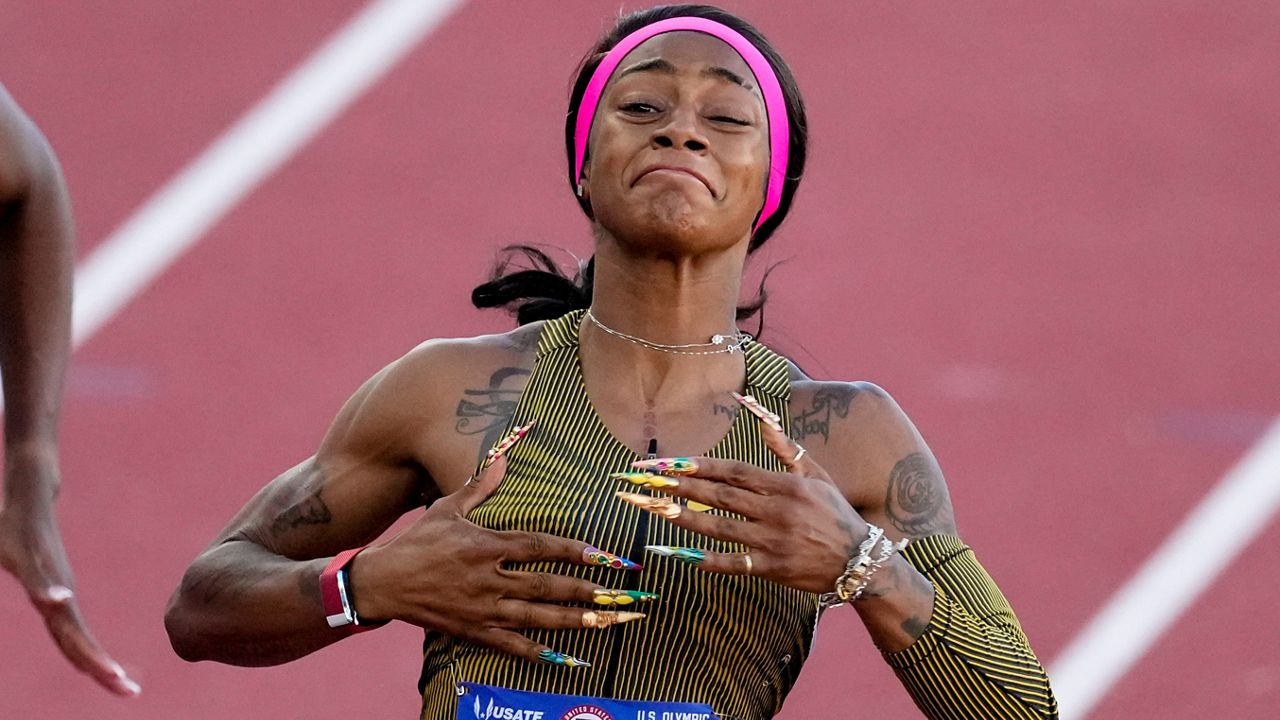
x,y
735,341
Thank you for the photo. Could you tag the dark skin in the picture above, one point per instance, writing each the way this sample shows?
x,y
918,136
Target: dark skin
x,y
37,256
678,158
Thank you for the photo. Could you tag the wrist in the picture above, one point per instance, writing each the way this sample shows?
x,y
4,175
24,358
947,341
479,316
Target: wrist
x,y
338,594
31,475
872,555
362,589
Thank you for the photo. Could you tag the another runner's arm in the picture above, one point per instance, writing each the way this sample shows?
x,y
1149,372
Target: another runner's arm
x,y
962,653
37,254
253,596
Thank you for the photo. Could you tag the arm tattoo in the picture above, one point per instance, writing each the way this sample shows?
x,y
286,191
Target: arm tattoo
x,y
830,401
311,511
488,411
729,411
917,500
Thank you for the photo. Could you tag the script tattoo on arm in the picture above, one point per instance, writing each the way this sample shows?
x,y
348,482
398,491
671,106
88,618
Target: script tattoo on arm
x,y
729,411
917,502
488,411
829,402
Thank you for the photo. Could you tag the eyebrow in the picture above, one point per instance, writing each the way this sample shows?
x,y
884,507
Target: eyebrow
x,y
666,68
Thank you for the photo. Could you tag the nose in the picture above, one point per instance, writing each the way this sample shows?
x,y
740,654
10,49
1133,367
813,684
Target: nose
x,y
680,131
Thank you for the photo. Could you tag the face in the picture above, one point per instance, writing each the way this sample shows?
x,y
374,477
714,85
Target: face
x,y
679,147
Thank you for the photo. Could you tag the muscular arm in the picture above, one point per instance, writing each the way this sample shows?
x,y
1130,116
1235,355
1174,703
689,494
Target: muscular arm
x,y
938,617
252,597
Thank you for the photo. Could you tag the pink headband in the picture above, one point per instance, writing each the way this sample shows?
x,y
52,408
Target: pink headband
x,y
774,102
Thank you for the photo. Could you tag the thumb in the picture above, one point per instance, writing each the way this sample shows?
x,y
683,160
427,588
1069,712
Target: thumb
x,y
479,487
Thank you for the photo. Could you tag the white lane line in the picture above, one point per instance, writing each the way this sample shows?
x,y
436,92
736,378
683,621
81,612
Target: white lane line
x,y
1188,562
177,215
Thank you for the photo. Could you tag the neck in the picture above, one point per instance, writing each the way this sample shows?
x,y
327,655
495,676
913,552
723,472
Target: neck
x,y
670,300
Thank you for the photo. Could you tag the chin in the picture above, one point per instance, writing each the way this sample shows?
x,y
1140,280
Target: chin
x,y
670,221
672,214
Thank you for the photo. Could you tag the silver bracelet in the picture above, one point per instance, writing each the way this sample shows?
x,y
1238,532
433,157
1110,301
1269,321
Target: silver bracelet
x,y
857,573
854,570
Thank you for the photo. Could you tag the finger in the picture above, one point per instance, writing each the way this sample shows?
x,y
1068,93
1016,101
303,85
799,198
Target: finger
x,y
546,587
733,472
516,644
478,488
523,614
720,527
63,621
521,546
722,563
702,493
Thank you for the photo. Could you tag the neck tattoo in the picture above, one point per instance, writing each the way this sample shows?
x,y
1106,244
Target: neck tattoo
x,y
721,343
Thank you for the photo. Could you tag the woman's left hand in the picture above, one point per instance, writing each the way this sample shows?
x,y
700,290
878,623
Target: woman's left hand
x,y
799,528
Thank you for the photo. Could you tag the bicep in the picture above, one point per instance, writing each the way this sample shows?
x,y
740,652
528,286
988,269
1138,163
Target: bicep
x,y
898,483
365,475
325,505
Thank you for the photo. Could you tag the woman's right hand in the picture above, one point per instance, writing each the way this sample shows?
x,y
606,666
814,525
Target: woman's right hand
x,y
446,573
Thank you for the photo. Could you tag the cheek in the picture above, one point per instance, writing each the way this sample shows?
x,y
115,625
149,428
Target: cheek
x,y
750,169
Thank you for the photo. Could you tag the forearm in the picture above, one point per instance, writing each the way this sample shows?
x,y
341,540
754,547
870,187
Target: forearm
x,y
241,604
36,269
970,653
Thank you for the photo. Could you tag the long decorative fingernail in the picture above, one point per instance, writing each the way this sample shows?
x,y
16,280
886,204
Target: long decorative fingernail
x,y
693,556
558,658
645,479
596,556
60,593
621,597
668,466
608,618
696,506
664,506
501,448
751,404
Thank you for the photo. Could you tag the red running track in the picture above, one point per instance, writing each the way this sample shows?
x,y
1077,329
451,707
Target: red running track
x,y
1049,231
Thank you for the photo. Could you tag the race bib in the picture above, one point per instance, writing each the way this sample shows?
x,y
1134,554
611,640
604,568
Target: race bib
x,y
485,702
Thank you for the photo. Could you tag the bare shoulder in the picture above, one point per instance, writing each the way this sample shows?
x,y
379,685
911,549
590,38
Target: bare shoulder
x,y
441,405
440,364
428,382
859,433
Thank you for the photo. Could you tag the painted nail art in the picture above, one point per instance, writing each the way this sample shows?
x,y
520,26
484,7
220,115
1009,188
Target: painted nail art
x,y
668,466
645,479
608,618
498,450
596,556
754,406
664,506
693,556
696,506
621,597
557,658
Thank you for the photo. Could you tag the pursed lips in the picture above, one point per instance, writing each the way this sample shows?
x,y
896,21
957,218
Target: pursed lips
x,y
675,169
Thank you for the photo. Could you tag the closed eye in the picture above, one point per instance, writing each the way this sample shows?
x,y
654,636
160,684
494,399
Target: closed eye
x,y
731,120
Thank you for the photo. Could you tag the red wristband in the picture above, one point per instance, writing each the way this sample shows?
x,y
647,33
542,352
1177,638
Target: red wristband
x,y
335,595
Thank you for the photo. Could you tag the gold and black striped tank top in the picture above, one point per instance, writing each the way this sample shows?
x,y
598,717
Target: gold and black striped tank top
x,y
734,643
